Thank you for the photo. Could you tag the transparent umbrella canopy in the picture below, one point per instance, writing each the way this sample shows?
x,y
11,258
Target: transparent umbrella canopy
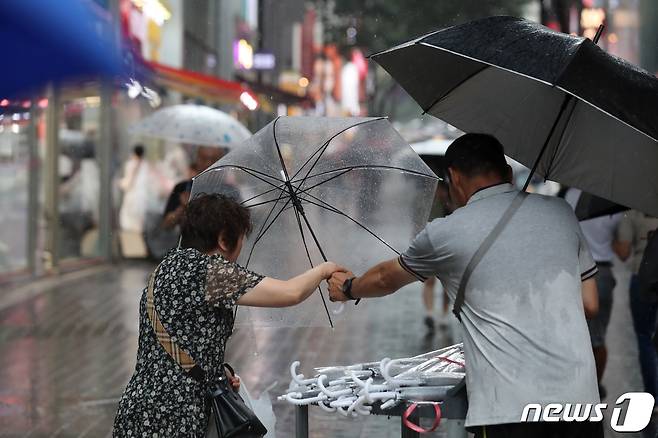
x,y
194,124
349,190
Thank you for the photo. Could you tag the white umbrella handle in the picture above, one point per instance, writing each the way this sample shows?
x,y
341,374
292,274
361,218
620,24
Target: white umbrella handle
x,y
367,385
331,394
326,408
299,378
295,399
385,367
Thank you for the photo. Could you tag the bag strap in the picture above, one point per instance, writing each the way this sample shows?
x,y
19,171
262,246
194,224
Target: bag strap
x,y
180,356
482,250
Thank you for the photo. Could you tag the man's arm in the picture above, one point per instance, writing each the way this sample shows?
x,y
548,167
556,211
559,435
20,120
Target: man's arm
x,y
623,244
383,279
590,297
622,249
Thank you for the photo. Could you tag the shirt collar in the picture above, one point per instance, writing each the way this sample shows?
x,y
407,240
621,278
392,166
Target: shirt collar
x,y
495,189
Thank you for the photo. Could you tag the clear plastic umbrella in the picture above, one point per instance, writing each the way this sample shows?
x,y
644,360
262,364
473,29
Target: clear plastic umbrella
x,y
193,124
350,190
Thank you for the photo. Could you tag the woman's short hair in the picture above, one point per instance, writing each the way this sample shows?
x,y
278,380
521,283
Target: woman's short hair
x,y
209,216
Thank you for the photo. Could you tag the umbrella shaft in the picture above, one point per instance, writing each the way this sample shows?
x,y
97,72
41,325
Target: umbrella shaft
x,y
567,99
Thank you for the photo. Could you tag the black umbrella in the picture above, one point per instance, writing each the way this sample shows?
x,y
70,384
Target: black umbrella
x,y
558,103
590,206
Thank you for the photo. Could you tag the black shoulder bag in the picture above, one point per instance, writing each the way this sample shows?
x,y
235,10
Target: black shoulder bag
x,y
233,418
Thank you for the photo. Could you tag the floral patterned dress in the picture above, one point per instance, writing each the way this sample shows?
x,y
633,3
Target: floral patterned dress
x,y
195,295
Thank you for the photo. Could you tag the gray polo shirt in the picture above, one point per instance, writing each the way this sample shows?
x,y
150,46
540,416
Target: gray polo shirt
x,y
525,335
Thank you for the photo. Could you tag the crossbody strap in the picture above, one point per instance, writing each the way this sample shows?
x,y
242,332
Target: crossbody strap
x,y
482,250
180,356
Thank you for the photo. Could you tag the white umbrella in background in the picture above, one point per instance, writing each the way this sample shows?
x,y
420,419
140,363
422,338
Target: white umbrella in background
x,y
193,124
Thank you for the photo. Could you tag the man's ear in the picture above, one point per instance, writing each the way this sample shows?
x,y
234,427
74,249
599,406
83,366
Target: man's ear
x,y
509,177
455,177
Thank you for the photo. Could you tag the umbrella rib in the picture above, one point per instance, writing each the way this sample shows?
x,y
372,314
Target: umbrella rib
x,y
369,166
278,151
325,146
258,204
308,255
280,187
300,189
262,231
559,142
246,169
462,82
333,209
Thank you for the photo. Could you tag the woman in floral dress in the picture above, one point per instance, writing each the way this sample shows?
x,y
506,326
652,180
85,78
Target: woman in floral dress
x,y
196,288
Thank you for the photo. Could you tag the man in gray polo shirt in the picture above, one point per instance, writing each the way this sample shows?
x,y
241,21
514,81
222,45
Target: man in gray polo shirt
x,y
525,335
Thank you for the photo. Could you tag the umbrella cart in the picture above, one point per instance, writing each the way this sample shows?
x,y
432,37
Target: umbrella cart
x,y
427,387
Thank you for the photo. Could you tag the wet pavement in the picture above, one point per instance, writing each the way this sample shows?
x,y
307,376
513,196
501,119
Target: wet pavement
x,y
67,349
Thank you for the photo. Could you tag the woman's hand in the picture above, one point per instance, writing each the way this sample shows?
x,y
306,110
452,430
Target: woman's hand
x,y
327,269
234,381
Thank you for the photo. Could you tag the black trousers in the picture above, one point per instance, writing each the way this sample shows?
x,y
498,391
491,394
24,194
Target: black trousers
x,y
541,430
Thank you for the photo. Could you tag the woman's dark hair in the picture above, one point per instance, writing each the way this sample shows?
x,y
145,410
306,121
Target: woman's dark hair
x,y
207,217
139,150
477,154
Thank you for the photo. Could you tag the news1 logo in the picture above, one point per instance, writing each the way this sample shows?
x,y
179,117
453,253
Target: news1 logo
x,y
630,413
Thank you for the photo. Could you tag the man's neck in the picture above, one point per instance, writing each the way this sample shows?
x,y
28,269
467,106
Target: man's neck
x,y
481,183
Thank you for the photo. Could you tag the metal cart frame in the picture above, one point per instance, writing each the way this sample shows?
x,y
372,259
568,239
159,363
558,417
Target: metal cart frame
x,y
454,407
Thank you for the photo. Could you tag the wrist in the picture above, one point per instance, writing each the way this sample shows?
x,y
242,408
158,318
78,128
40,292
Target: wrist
x,y
348,289
322,271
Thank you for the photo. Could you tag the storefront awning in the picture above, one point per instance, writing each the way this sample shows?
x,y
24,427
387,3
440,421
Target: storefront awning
x,y
209,88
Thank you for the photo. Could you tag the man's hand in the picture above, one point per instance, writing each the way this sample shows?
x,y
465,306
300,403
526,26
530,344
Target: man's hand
x,y
336,285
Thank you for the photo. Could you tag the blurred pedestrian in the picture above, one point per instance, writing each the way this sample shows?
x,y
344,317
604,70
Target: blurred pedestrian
x,y
635,229
600,235
442,207
190,301
78,209
205,157
135,186
523,315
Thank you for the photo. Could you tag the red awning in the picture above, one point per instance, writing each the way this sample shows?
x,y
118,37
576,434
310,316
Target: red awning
x,y
198,84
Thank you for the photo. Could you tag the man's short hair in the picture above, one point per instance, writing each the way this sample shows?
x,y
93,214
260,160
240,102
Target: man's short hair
x,y
477,154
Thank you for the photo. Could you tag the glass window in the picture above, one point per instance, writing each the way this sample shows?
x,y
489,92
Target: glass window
x,y
79,177
14,168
